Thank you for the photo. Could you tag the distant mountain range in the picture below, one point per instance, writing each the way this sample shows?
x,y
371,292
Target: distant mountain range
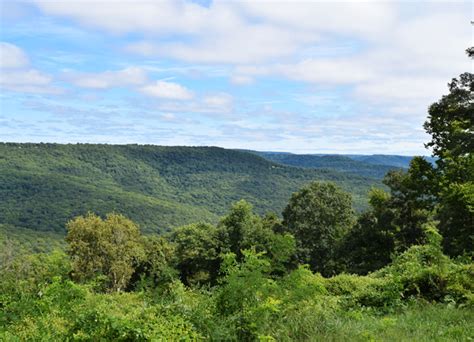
x,y
376,165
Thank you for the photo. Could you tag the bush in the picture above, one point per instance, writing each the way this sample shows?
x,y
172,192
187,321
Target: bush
x,y
425,272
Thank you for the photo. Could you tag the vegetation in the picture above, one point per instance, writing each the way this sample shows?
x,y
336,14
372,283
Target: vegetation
x,y
451,125
107,247
338,163
157,187
402,270
422,288
319,216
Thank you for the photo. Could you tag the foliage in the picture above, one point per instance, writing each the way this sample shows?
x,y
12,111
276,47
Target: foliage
x,y
244,295
158,187
394,222
369,245
241,229
19,240
158,266
199,247
109,247
424,271
451,126
319,215
338,163
197,252
249,303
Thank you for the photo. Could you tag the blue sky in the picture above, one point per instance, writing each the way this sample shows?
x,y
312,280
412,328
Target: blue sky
x,y
304,77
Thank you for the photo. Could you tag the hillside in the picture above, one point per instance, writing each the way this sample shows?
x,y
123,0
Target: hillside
x,y
339,163
44,185
384,159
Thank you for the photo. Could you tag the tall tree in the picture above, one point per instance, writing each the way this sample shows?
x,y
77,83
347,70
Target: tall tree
x,y
411,201
451,125
319,215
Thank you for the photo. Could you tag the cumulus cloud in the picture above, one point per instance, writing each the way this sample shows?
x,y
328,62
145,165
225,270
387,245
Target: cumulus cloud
x,y
167,90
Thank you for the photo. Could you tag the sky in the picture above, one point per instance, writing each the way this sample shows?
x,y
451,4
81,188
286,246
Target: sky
x,y
297,76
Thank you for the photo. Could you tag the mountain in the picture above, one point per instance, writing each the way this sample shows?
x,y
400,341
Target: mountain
x,y
42,186
340,163
384,159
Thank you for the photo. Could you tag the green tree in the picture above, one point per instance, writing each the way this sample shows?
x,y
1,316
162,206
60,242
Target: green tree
x,y
370,243
197,249
411,201
319,215
241,229
395,221
158,265
110,247
451,125
244,294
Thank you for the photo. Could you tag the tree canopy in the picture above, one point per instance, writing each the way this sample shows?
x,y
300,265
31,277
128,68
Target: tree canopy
x,y
319,215
107,247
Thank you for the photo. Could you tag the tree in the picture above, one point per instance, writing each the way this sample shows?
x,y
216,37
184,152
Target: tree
x,y
158,265
395,220
451,125
412,201
109,247
319,215
370,243
241,229
197,249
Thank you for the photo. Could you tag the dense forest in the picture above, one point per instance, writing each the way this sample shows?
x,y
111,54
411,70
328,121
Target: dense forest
x,y
333,162
44,185
399,270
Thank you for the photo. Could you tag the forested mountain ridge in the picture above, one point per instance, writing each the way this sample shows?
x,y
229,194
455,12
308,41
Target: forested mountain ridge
x,y
44,185
340,163
385,159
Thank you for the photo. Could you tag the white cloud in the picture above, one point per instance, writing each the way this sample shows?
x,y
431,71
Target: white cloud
x,y
130,15
384,58
403,90
108,79
349,18
16,75
326,71
11,56
217,105
228,32
167,90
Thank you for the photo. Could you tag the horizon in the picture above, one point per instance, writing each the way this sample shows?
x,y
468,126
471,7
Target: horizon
x,y
349,78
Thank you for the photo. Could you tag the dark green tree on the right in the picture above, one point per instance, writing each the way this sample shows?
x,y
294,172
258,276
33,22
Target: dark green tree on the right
x,y
451,125
444,193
